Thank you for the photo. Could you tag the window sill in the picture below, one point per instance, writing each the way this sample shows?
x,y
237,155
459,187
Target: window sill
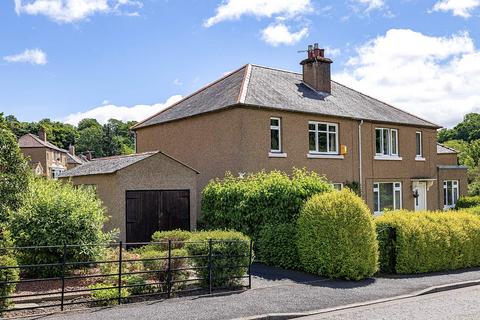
x,y
325,156
388,158
277,155
420,159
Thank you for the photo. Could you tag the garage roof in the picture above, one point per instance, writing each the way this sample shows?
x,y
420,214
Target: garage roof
x,y
113,164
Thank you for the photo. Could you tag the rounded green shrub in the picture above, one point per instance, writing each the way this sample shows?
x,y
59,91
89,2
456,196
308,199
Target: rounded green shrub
x,y
106,294
54,214
277,245
231,256
336,236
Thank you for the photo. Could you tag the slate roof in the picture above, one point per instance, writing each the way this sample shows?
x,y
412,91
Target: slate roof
x,y
75,159
32,141
112,164
265,87
106,165
441,149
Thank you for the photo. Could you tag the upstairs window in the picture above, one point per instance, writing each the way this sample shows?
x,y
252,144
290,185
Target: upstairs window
x,y
386,142
322,137
419,144
275,135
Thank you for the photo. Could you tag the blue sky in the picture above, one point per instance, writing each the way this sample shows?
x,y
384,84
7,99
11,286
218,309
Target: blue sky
x,y
68,59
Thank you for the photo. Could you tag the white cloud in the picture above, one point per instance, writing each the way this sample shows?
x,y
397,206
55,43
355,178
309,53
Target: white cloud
x,y
371,4
177,82
461,8
68,11
234,9
437,78
278,33
106,112
32,56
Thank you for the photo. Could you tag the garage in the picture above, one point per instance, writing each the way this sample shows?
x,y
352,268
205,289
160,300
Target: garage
x,y
142,193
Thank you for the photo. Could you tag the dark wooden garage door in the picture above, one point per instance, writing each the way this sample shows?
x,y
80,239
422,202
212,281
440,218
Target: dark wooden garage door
x,y
154,210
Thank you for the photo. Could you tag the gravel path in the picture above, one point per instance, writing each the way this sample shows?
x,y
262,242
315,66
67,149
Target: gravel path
x,y
275,291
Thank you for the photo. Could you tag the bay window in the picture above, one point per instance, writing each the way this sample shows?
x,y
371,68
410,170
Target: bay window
x,y
450,193
387,196
322,137
386,142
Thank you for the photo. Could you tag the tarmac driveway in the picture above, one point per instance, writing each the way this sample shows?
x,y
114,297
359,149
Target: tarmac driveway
x,y
275,291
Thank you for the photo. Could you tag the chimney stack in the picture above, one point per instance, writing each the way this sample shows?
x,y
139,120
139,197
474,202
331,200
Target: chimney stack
x,y
316,70
71,150
88,155
42,134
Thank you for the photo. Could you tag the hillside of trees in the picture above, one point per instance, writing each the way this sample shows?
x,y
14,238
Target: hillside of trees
x,y
110,139
465,138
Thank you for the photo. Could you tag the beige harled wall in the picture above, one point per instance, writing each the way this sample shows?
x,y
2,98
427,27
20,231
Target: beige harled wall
x,y
158,172
238,140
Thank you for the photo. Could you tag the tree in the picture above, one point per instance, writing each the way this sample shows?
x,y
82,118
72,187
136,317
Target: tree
x,y
90,137
14,172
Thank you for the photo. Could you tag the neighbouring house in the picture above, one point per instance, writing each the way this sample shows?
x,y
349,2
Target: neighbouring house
x,y
38,150
262,118
143,193
45,158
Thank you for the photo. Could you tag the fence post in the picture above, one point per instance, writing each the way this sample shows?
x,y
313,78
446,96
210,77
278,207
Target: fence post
x,y
64,260
250,265
169,270
210,266
120,249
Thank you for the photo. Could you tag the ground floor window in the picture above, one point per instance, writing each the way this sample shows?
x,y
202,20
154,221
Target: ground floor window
x,y
387,196
450,193
337,186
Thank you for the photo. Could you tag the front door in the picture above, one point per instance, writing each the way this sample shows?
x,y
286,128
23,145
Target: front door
x,y
420,191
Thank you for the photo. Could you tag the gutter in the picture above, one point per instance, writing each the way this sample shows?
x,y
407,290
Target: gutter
x,y
360,170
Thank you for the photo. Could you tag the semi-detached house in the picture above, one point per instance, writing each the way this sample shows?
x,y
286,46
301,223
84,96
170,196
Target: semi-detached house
x,y
260,118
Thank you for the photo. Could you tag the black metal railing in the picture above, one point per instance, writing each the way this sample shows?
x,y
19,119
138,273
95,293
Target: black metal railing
x,y
206,272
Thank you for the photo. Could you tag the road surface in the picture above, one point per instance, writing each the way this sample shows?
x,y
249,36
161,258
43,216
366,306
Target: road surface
x,y
460,304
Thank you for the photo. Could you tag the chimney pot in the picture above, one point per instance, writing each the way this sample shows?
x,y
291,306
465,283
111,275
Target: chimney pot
x,y
42,134
317,69
88,155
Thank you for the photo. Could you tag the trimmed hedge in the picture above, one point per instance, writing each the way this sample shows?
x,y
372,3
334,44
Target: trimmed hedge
x,y
468,202
429,241
177,236
7,275
231,258
336,236
277,245
260,200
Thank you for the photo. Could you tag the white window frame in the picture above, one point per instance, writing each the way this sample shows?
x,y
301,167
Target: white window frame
x,y
337,184
279,129
390,144
455,190
328,132
397,186
419,156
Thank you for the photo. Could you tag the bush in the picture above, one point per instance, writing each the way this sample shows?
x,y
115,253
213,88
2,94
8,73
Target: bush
x,y
230,258
111,254
178,238
430,241
250,203
467,202
7,275
277,245
56,213
106,296
336,236
137,285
